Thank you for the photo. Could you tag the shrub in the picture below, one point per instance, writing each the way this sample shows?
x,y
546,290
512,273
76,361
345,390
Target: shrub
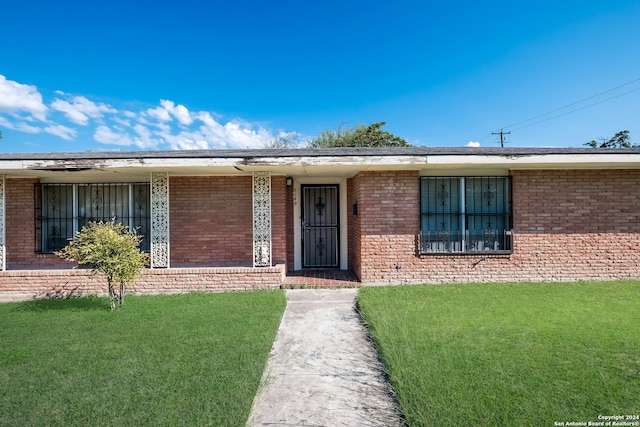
x,y
111,249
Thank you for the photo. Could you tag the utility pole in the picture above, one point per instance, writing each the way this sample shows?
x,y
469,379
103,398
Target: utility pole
x,y
502,134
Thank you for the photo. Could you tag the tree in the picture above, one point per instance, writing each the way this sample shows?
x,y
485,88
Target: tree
x,y
360,136
109,248
619,140
283,140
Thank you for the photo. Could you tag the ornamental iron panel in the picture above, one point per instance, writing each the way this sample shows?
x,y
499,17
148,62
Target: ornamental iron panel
x,y
160,220
261,219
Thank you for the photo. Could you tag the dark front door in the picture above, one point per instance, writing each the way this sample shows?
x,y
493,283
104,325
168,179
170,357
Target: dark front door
x,y
320,225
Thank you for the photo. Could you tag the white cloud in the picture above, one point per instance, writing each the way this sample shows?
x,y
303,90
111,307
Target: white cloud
x,y
144,139
19,126
180,112
211,134
473,144
159,113
16,98
142,131
72,114
244,137
233,134
106,135
167,125
63,132
122,122
80,109
187,141
168,110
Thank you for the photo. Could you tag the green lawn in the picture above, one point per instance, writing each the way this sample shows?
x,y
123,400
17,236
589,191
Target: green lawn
x,y
160,360
526,354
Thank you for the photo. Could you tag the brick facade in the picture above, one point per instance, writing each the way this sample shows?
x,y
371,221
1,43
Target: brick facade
x,y
211,221
289,218
21,228
281,213
211,227
69,283
568,225
386,225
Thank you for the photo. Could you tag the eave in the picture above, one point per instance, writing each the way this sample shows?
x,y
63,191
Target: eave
x,y
125,166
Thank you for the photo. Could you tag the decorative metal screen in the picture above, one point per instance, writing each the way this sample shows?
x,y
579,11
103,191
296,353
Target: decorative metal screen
x,y
57,217
261,219
320,225
465,214
160,220
63,209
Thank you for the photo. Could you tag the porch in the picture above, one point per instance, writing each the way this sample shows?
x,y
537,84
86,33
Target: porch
x,y
69,283
329,277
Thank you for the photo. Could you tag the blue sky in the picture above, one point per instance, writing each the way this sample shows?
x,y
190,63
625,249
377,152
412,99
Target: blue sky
x,y
127,75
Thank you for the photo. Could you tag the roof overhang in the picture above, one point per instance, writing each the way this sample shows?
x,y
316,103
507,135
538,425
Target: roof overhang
x,y
127,166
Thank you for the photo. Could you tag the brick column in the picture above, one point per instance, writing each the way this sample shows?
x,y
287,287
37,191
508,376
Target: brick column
x,y
3,245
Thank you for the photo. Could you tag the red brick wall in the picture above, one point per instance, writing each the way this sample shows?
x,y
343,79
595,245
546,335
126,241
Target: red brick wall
x,y
289,228
575,202
386,225
355,232
568,225
20,228
23,284
351,220
211,221
281,205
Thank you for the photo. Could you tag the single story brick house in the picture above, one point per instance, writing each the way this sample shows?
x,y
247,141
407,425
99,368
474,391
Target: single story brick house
x,y
246,219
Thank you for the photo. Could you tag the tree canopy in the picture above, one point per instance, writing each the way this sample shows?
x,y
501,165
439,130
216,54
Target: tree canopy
x,y
360,136
283,141
619,140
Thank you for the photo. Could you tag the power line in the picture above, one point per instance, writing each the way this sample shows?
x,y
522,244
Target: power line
x,y
567,106
574,110
577,102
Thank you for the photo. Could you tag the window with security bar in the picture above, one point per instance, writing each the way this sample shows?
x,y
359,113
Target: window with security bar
x,y
63,209
465,215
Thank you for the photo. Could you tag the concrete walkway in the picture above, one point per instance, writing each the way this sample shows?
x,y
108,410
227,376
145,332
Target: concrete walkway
x,y
322,370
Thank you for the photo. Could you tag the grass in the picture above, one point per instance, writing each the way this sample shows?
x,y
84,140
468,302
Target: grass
x,y
527,354
160,360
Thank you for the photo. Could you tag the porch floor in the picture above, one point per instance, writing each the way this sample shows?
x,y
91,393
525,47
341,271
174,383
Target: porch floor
x,y
329,277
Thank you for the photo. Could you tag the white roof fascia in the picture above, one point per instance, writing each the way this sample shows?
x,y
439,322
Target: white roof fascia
x,y
352,162
549,161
